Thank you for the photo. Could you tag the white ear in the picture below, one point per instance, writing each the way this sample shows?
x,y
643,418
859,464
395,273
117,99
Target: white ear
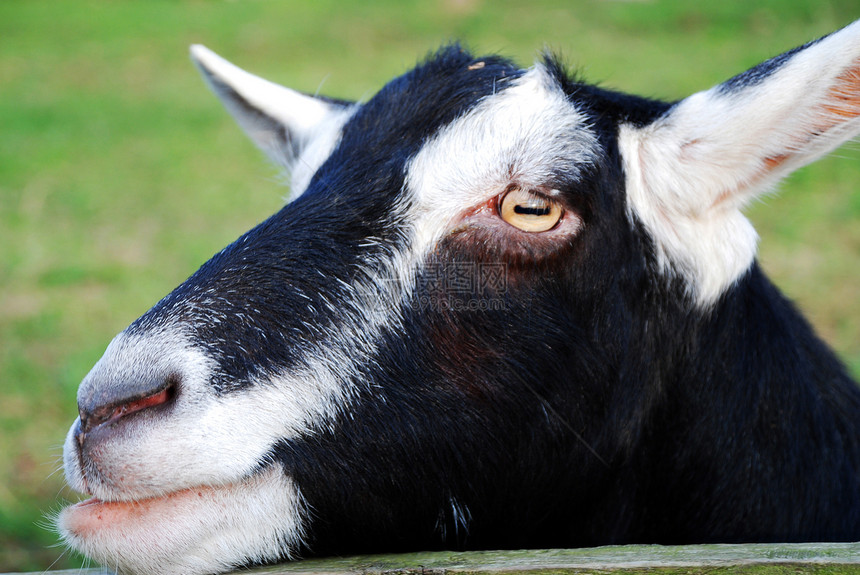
x,y
690,172
290,127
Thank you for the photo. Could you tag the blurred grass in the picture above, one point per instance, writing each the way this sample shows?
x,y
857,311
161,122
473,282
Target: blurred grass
x,y
120,173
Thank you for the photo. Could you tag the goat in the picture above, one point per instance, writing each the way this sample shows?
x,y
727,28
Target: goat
x,y
504,309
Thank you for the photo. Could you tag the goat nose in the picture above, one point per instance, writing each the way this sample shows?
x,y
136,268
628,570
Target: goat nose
x,y
113,402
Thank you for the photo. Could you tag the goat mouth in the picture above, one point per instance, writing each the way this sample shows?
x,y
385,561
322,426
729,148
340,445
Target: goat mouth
x,y
92,516
170,533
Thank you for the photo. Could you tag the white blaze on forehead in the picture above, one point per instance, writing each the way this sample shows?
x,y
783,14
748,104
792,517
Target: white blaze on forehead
x,y
527,134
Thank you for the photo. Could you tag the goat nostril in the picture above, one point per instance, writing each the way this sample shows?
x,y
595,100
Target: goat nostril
x,y
139,405
119,409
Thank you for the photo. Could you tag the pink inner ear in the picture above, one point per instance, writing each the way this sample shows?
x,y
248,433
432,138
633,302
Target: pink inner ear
x,y
843,99
770,164
841,104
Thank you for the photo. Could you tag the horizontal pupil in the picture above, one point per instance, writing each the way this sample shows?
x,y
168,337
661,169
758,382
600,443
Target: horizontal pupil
x,y
532,211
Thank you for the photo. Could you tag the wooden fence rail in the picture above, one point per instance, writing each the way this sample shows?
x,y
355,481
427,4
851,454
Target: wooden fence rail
x,y
779,559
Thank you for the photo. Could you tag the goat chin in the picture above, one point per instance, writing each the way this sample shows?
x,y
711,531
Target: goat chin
x,y
184,531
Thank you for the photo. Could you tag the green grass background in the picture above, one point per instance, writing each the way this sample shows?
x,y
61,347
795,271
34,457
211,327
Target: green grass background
x,y
120,174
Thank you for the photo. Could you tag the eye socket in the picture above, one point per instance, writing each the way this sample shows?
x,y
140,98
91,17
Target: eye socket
x,y
528,211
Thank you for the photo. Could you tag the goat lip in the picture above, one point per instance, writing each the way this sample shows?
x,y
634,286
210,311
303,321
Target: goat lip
x,y
88,517
94,503
90,501
148,500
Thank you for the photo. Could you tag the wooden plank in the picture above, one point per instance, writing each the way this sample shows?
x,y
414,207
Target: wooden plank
x,y
769,559
577,560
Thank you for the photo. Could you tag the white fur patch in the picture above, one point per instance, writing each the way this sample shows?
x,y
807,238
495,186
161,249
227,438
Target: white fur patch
x,y
524,135
709,249
216,439
691,172
150,468
317,150
191,532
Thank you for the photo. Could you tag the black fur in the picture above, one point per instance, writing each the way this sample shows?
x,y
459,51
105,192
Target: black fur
x,y
759,73
592,406
275,300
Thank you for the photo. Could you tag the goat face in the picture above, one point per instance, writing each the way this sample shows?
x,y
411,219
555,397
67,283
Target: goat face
x,y
448,337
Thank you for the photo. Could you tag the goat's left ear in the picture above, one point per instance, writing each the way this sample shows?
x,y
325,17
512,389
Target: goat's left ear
x,y
280,121
689,172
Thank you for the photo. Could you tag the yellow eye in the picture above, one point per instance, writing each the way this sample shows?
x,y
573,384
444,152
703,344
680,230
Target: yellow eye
x,y
529,211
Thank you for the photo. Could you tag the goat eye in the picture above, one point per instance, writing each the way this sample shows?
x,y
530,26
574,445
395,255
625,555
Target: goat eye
x,y
529,211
